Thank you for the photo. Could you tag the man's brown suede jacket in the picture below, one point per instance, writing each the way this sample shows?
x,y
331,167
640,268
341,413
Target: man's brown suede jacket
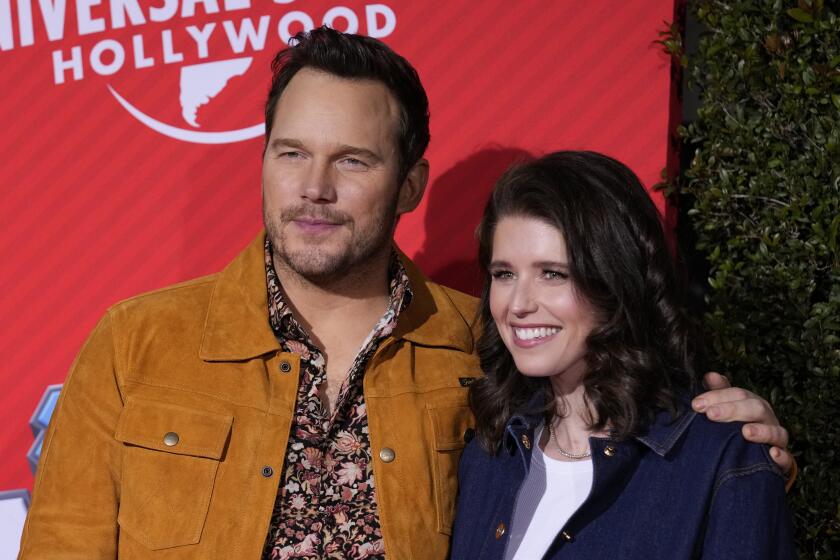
x,y
169,437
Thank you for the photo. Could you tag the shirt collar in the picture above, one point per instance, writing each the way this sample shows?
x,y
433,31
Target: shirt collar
x,y
286,326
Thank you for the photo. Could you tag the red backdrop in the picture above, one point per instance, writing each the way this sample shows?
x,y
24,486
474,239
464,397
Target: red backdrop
x,y
99,206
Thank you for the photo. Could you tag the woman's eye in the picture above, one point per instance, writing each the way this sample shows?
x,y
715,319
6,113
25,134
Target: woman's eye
x,y
501,274
555,275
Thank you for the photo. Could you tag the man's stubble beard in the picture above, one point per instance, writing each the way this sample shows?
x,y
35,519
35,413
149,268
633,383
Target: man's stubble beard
x,y
322,266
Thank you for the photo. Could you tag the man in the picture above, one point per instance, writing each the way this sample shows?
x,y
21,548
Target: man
x,y
308,401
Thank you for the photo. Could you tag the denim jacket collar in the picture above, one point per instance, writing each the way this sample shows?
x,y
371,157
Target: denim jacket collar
x,y
665,431
662,434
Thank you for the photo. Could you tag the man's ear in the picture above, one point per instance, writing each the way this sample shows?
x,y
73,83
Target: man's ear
x,y
413,187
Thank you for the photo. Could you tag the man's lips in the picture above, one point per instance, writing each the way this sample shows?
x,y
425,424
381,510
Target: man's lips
x,y
528,336
315,225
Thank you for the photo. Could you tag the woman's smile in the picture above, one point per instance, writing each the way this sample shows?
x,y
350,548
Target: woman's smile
x,y
530,336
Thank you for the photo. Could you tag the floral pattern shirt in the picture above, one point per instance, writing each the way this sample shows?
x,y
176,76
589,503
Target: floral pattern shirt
x,y
326,504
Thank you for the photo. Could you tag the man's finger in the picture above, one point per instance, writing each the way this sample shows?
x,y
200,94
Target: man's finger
x,y
713,380
776,436
743,410
783,458
732,394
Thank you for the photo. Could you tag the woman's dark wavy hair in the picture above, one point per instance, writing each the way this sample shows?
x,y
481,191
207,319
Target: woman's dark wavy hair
x,y
644,354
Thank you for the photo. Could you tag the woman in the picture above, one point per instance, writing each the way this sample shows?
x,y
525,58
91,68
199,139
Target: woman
x,y
585,444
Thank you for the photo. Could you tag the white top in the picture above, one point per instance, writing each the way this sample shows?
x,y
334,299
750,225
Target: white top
x,y
550,494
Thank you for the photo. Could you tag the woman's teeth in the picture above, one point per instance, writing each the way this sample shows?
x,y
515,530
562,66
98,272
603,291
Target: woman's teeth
x,y
530,334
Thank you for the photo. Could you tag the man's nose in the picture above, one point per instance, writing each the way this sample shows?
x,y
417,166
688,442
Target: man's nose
x,y
523,299
319,182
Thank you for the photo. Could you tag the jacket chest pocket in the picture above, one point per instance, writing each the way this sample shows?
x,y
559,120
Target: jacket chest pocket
x,y
449,424
169,463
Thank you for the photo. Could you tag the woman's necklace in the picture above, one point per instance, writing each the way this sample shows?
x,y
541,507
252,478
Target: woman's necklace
x,y
573,456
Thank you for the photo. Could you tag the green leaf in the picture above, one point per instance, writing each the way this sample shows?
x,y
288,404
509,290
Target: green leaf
x,y
800,15
833,231
835,98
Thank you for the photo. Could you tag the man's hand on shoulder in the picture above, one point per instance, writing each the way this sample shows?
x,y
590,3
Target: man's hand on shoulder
x,y
724,403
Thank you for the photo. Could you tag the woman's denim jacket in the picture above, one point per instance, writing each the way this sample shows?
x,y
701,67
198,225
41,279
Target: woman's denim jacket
x,y
689,488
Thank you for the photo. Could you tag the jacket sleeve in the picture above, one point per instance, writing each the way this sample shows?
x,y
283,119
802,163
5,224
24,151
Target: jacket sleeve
x,y
749,517
75,500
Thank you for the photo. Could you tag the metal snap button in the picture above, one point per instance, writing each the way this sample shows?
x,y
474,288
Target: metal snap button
x,y
387,455
526,441
171,439
285,366
500,530
567,537
609,451
469,434
267,471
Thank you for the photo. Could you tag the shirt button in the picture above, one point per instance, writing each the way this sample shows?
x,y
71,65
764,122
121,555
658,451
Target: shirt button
x,y
171,439
609,451
500,530
285,366
387,455
267,471
567,537
526,442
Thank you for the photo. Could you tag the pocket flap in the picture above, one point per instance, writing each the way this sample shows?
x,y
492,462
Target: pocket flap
x,y
449,424
151,424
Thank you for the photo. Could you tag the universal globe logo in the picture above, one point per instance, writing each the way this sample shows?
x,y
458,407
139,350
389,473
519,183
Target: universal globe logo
x,y
175,33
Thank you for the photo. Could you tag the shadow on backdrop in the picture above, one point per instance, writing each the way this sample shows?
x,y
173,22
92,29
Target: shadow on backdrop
x,y
456,201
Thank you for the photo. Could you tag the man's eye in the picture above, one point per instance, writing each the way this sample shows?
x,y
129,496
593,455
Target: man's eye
x,y
353,162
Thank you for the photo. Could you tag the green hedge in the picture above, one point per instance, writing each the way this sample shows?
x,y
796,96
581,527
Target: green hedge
x,y
765,184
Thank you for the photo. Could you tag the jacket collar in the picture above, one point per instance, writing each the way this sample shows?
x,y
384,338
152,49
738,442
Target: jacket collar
x,y
665,431
661,436
432,319
237,327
